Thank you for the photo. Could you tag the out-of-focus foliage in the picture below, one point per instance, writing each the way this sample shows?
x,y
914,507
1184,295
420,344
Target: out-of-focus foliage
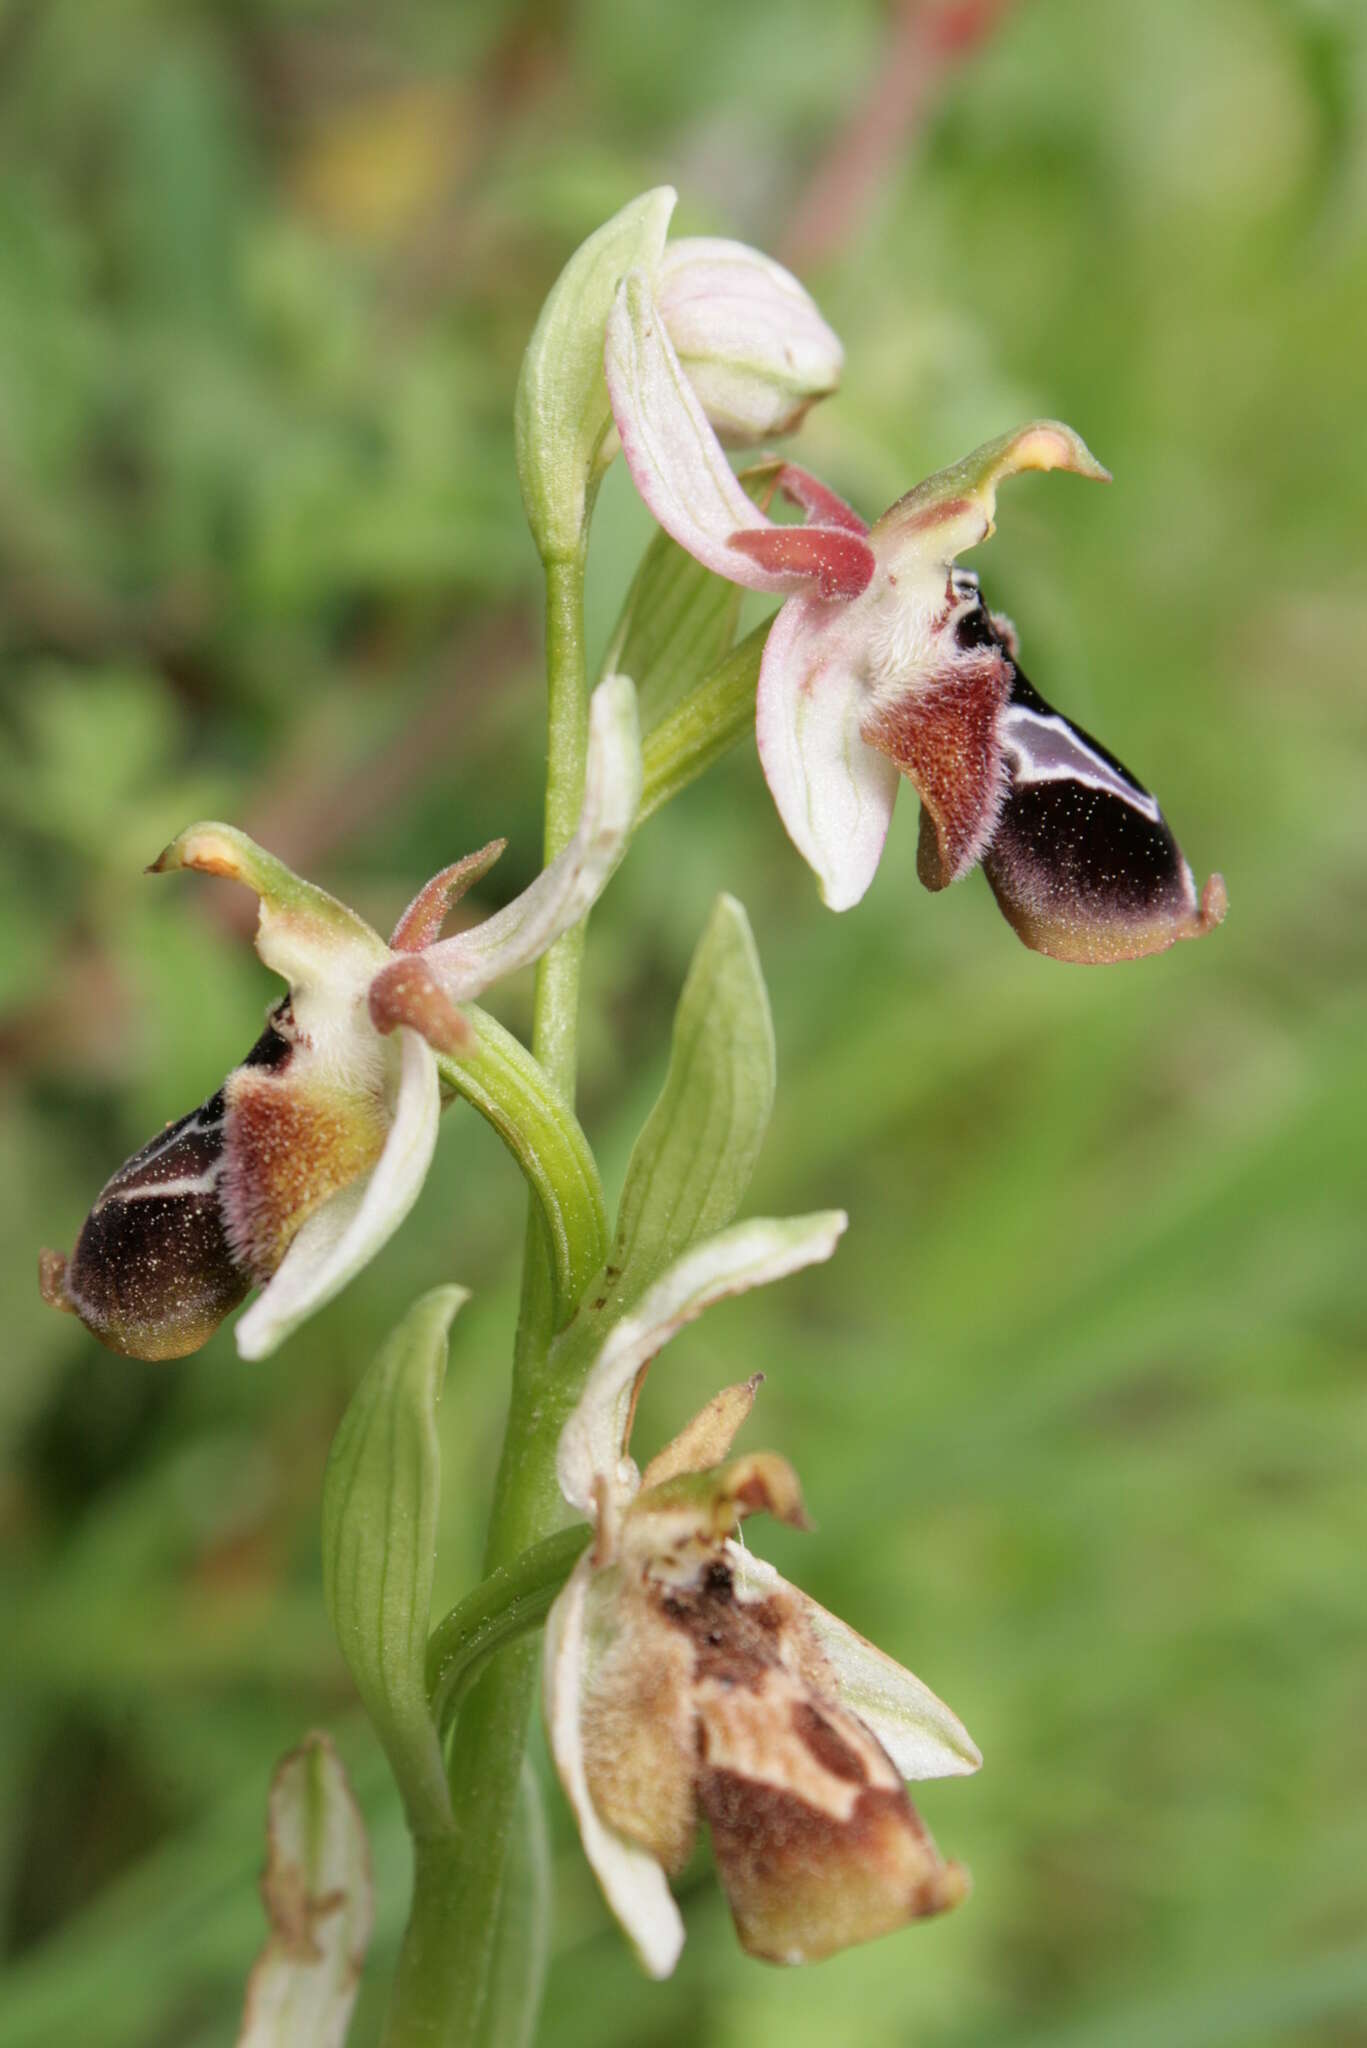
x,y
1080,1407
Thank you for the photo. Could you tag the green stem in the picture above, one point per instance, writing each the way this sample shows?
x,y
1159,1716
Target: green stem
x,y
449,1948
511,1091
512,1600
555,1019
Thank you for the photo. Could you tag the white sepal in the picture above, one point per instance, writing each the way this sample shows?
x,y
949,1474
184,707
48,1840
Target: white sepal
x,y
563,892
593,1443
633,1882
918,1731
347,1231
834,792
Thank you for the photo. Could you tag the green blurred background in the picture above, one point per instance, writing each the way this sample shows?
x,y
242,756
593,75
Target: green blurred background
x,y
1080,1406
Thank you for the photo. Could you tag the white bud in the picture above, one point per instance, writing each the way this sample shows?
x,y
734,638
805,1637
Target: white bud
x,y
756,350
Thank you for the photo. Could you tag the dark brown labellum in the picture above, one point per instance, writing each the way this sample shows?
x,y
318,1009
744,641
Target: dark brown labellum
x,y
1083,863
152,1273
1081,860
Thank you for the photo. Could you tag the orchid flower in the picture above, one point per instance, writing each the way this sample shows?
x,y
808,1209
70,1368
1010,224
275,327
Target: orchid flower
x,y
686,1680
300,1167
885,663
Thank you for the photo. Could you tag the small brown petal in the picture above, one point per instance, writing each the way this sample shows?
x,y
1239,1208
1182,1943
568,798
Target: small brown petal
x,y
708,1437
421,923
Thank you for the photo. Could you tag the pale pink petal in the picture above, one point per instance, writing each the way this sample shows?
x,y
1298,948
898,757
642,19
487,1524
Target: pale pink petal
x,y
834,792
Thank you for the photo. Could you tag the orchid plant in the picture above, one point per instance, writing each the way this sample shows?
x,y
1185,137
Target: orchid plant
x,y
685,1681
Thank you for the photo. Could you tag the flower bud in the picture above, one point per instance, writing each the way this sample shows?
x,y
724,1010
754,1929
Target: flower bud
x,y
754,347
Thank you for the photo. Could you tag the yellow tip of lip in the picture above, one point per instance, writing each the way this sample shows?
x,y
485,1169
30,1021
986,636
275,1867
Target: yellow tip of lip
x,y
1214,903
52,1281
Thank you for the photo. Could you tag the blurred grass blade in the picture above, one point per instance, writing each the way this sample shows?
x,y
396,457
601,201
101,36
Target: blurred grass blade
x,y
381,1493
318,1898
517,1975
693,1160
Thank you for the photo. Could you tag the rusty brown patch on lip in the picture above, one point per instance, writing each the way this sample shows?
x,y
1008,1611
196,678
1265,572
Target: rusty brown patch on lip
x,y
815,1732
946,739
733,1642
289,1147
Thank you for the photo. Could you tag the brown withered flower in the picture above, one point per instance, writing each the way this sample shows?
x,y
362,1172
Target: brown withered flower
x,y
686,1681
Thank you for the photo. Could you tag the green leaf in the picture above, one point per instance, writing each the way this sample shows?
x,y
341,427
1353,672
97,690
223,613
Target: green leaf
x,y
319,1902
678,621
514,1599
380,1497
517,1971
693,1160
706,722
562,415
